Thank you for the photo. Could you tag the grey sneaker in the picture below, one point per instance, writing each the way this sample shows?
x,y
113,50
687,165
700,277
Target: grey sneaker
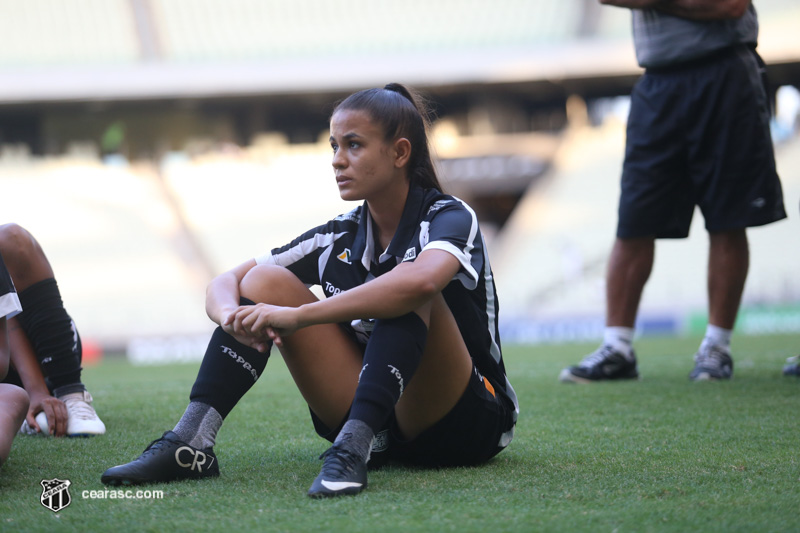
x,y
712,363
604,364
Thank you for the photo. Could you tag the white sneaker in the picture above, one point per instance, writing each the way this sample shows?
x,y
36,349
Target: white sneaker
x,y
82,419
41,419
26,429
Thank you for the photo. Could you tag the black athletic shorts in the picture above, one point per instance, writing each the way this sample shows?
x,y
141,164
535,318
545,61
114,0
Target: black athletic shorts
x,y
470,434
698,134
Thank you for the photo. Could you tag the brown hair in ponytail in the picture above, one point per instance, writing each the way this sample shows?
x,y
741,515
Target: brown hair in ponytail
x,y
402,114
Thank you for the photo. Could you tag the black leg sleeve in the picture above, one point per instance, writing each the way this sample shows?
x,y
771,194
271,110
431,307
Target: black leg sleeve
x,y
393,354
227,372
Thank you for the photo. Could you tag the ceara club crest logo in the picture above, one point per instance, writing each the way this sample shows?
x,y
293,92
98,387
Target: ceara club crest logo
x,y
55,494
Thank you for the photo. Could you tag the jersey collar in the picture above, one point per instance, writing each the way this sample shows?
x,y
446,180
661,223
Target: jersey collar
x,y
364,242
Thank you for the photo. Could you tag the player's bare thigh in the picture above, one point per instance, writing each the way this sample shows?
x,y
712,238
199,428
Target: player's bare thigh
x,y
323,360
442,376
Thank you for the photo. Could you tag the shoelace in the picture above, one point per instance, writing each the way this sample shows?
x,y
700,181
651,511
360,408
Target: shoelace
x,y
80,408
338,462
597,357
154,446
711,357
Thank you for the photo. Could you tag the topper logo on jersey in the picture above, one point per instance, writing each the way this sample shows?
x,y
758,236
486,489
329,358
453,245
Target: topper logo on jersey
x,y
352,215
330,289
197,460
241,360
438,205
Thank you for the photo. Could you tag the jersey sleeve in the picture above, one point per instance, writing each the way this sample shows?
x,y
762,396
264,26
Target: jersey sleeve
x,y
453,228
307,255
9,300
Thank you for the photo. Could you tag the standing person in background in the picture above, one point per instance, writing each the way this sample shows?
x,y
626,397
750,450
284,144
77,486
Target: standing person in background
x,y
792,366
13,400
402,358
698,135
44,332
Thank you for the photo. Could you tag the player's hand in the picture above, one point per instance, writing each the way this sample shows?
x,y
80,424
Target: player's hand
x,y
55,411
258,343
232,324
265,321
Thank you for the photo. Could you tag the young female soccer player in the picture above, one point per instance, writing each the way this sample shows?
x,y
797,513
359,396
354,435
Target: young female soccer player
x,y
402,358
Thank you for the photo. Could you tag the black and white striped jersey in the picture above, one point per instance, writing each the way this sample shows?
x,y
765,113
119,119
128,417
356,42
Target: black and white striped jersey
x,y
342,254
9,300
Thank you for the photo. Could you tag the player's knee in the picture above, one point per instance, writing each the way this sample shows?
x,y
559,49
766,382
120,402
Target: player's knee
x,y
272,284
15,398
15,240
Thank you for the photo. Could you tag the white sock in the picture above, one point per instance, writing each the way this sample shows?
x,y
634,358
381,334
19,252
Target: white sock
x,y
619,338
718,336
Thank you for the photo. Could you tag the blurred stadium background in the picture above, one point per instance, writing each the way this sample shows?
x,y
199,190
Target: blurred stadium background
x,y
151,144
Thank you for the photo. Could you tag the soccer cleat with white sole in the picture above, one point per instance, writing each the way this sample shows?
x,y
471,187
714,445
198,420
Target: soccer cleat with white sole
x,y
82,419
712,363
343,473
604,364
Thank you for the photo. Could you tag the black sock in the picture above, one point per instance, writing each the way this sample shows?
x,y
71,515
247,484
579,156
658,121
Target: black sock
x,y
393,354
53,335
227,372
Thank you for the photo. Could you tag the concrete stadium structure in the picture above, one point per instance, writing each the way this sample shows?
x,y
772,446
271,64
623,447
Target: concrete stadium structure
x,y
151,144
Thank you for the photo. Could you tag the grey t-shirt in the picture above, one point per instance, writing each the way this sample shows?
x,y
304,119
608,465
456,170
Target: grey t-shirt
x,y
663,40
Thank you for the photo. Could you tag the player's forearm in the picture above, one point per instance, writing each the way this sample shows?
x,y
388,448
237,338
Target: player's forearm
x,y
406,288
633,4
690,9
5,356
705,9
385,297
24,360
222,294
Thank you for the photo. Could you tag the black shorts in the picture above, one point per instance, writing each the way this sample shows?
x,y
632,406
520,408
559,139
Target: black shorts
x,y
479,426
698,134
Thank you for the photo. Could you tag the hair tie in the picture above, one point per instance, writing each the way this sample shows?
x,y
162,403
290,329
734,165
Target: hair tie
x,y
401,90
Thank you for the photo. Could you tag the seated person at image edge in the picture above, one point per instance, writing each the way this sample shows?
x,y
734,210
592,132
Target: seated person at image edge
x,y
46,348
13,400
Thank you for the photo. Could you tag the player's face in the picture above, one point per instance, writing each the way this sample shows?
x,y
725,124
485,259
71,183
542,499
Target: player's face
x,y
363,161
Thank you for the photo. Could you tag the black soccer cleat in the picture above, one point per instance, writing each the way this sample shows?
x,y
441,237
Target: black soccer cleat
x,y
342,473
712,363
165,459
792,368
604,364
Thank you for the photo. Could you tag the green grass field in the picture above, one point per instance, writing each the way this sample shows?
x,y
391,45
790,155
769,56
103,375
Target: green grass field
x,y
660,454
